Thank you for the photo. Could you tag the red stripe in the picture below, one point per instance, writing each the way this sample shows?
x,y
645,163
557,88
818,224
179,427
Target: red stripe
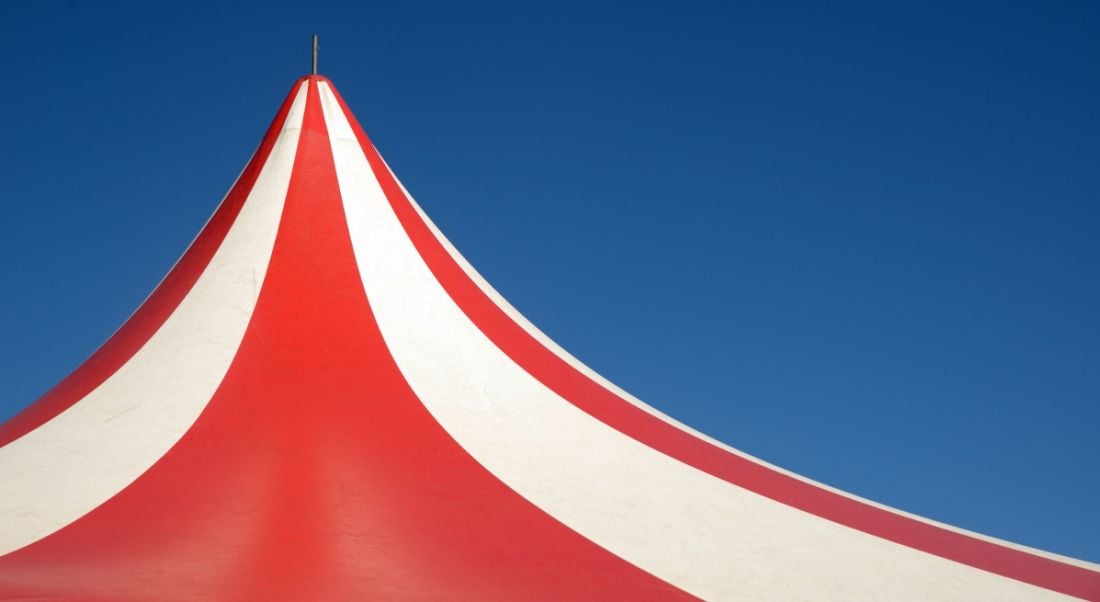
x,y
141,326
315,473
593,398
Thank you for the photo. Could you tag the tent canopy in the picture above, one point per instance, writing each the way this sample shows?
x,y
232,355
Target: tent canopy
x,y
323,400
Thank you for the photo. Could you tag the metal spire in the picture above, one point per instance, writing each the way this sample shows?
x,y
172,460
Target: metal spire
x,y
314,54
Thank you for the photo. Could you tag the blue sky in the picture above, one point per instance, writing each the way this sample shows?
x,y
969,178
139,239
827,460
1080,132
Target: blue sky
x,y
857,241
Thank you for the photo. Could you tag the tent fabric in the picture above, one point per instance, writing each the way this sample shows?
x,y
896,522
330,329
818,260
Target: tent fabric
x,y
323,400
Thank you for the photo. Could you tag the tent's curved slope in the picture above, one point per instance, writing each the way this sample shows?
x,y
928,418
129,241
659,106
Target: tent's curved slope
x,y
314,473
553,347
164,300
98,445
562,380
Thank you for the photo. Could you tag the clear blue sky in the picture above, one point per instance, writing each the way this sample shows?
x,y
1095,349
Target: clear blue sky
x,y
858,241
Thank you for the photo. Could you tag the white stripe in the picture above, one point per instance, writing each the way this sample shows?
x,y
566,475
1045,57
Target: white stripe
x,y
709,537
68,466
568,358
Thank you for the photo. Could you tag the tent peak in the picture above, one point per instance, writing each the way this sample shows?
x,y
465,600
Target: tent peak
x,y
313,78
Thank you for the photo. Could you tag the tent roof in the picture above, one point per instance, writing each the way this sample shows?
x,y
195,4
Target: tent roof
x,y
323,400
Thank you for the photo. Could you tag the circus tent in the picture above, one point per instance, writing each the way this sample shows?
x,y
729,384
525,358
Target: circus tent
x,y
323,400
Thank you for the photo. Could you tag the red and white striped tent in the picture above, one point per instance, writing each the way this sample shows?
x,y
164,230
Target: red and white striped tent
x,y
324,401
